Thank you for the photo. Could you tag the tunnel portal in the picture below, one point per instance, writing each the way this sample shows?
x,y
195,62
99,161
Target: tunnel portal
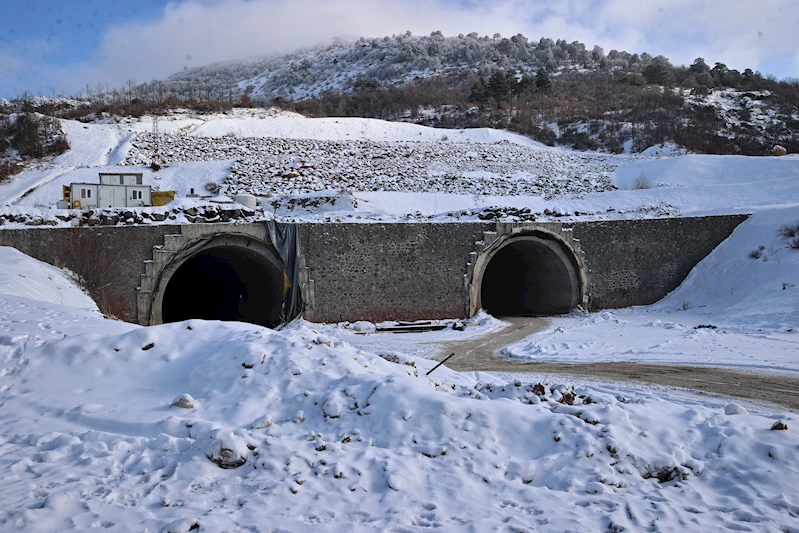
x,y
529,276
225,283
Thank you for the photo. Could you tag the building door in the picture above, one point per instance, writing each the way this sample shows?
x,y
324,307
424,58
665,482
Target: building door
x,y
119,196
106,197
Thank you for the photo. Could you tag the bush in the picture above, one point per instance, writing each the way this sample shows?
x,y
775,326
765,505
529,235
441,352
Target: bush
x,y
60,145
789,230
35,136
8,169
210,106
27,138
790,234
642,182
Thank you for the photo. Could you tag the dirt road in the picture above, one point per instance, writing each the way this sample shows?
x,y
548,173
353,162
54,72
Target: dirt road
x,y
480,354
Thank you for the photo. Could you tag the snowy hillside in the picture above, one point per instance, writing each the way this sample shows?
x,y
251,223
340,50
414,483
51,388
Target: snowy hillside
x,y
26,278
389,59
366,169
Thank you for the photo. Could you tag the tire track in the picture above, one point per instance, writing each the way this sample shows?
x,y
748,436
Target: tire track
x,y
480,355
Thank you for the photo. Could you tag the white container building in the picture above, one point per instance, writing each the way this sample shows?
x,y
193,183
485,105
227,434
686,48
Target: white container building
x,y
114,190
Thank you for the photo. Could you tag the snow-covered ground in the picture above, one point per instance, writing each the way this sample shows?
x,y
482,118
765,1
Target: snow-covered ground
x,y
307,429
274,123
394,171
747,289
298,431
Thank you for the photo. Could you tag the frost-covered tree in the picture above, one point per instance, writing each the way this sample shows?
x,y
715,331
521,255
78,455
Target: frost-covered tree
x,y
699,66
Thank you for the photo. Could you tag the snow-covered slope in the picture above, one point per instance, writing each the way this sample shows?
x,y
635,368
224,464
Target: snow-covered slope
x,y
294,430
708,170
394,171
391,60
90,146
40,303
273,123
738,307
25,277
750,281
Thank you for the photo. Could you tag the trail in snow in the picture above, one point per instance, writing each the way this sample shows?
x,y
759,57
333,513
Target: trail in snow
x,y
94,145
482,355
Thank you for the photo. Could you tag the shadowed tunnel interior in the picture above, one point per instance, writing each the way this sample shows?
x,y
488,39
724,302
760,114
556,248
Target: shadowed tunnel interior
x,y
225,283
528,277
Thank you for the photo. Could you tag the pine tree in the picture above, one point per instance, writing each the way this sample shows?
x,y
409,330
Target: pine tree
x,y
660,72
526,85
479,93
542,81
699,66
498,86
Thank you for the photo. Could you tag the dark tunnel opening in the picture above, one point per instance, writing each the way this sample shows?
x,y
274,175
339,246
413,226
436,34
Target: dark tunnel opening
x,y
529,278
225,283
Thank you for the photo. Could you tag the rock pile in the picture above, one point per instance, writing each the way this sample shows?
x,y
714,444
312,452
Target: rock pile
x,y
272,166
127,217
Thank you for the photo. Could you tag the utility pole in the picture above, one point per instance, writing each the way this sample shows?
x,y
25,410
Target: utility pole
x,y
156,162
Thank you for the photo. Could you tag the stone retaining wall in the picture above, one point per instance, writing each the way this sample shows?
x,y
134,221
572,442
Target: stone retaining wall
x,y
393,271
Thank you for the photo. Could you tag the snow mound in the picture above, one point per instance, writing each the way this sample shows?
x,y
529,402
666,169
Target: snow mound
x,y
708,170
275,123
28,278
296,428
750,281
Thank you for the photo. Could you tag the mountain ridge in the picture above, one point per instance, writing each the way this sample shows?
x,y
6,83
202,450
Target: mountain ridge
x,y
553,91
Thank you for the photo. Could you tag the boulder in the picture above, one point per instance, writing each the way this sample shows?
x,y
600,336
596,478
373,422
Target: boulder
x,y
184,401
223,448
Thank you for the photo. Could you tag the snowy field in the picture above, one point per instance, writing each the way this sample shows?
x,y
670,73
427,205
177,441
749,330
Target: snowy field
x,y
299,431
306,429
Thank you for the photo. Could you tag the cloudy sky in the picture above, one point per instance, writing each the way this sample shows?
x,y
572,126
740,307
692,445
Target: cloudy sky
x,y
59,46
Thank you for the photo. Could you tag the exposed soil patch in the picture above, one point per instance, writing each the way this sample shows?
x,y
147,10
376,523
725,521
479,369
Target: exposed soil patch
x,y
480,354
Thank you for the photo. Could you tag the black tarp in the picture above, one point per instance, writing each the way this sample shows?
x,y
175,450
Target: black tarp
x,y
285,239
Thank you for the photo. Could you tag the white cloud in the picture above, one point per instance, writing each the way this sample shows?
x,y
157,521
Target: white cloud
x,y
740,33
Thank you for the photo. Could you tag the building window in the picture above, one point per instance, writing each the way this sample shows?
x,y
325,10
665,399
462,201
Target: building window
x,y
88,193
83,193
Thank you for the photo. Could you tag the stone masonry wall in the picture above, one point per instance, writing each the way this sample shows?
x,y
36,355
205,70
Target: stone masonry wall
x,y
397,271
110,258
638,262
411,271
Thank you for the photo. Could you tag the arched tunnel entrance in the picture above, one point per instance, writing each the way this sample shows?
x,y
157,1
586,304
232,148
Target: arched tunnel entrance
x,y
529,276
226,282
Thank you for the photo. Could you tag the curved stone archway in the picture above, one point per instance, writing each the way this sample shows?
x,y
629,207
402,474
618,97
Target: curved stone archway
x,y
527,274
225,277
